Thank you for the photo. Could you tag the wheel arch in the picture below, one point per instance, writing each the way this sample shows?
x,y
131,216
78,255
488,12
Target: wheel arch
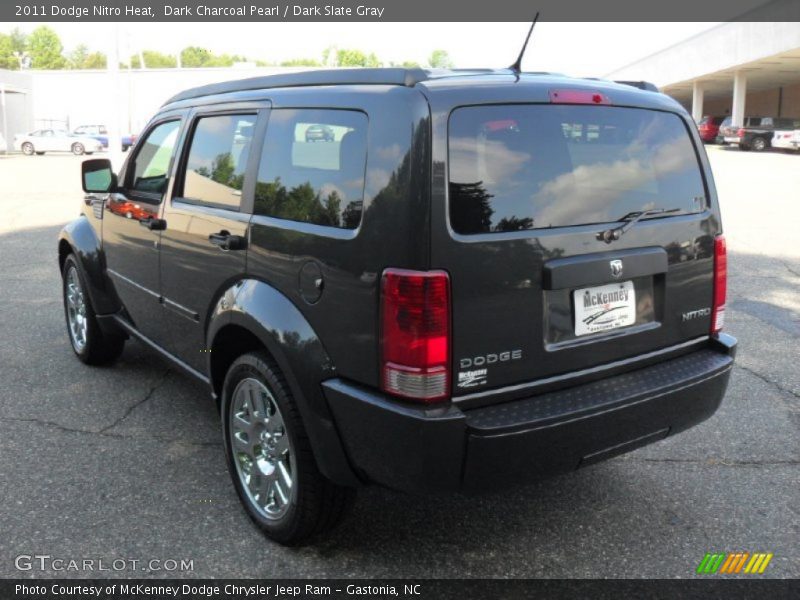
x,y
79,238
252,315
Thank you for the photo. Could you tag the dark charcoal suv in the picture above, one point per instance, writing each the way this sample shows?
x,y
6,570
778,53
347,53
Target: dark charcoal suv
x,y
486,278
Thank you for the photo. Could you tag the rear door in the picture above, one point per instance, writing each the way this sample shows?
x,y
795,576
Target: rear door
x,y
536,291
204,245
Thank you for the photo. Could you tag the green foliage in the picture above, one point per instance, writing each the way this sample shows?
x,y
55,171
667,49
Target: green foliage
x,y
440,59
16,41
194,57
349,58
19,41
45,49
7,58
81,58
301,203
301,62
154,60
47,52
406,64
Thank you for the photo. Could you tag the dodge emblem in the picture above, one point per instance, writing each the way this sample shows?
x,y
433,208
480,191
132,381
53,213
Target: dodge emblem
x,y
616,268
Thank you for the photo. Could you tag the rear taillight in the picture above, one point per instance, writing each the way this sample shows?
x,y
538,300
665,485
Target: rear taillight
x,y
720,284
740,133
415,334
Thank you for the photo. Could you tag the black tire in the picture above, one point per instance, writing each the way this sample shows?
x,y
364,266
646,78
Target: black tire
x,y
98,348
78,149
759,144
316,505
27,149
89,153
39,153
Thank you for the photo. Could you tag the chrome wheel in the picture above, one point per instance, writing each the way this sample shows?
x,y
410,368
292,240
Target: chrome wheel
x,y
261,448
76,310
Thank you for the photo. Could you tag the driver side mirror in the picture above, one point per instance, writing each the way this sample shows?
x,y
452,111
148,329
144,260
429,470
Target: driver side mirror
x,y
97,176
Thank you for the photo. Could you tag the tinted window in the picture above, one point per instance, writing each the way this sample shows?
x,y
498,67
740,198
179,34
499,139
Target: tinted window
x,y
312,167
217,160
152,158
538,166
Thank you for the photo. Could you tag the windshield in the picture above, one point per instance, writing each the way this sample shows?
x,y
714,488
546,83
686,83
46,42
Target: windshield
x,y
520,167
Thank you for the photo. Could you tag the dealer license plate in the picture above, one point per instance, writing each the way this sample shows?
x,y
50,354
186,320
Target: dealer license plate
x,y
604,307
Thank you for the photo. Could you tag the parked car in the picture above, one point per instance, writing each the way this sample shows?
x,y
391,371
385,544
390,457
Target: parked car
x,y
756,134
54,140
487,301
786,139
100,133
709,128
316,133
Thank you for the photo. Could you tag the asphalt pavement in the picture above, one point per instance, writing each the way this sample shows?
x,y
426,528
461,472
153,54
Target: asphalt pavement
x,y
126,463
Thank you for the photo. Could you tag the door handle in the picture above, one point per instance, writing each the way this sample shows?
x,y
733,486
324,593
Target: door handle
x,y
153,224
225,241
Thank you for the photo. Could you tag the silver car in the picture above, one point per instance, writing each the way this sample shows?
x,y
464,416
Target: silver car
x,y
54,140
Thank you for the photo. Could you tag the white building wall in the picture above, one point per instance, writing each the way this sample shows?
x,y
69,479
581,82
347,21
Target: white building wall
x,y
82,97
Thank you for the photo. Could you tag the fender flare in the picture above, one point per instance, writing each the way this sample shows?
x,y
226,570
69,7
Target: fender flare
x,y
79,237
294,345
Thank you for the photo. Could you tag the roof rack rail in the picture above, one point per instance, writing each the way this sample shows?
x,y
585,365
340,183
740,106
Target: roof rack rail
x,y
371,76
642,85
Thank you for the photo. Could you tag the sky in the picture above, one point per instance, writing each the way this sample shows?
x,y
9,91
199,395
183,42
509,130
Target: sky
x,y
579,49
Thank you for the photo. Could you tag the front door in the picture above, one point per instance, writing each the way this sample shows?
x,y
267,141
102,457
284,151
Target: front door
x,y
131,224
204,247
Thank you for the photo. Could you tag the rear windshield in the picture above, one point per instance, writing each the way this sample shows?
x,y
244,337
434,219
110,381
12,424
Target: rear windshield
x,y
518,167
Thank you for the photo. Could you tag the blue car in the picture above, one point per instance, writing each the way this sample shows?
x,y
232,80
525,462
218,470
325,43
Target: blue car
x,y
100,133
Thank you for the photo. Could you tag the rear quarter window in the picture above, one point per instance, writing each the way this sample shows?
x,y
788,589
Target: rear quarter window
x,y
519,167
312,167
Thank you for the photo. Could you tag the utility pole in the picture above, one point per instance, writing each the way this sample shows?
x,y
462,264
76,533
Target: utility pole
x,y
115,101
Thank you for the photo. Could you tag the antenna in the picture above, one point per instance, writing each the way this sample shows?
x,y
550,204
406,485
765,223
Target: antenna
x,y
517,66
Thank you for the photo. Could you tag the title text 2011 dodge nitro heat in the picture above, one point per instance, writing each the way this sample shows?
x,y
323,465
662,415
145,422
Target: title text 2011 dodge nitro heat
x,y
477,278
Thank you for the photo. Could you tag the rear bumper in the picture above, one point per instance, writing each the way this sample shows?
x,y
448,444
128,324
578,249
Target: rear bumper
x,y
447,449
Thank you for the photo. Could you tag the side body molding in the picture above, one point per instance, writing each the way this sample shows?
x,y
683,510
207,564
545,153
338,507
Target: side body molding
x,y
79,237
270,316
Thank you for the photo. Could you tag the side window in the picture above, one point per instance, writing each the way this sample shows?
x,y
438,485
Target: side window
x,y
217,160
312,167
150,166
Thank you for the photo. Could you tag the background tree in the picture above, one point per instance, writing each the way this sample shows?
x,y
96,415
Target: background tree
x,y
440,59
11,43
301,62
45,49
345,57
194,57
81,58
7,58
406,64
154,60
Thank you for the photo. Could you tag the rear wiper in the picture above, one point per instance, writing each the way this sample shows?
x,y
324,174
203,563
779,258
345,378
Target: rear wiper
x,y
610,235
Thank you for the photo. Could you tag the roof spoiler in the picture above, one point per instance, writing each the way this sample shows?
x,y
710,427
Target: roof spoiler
x,y
642,85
